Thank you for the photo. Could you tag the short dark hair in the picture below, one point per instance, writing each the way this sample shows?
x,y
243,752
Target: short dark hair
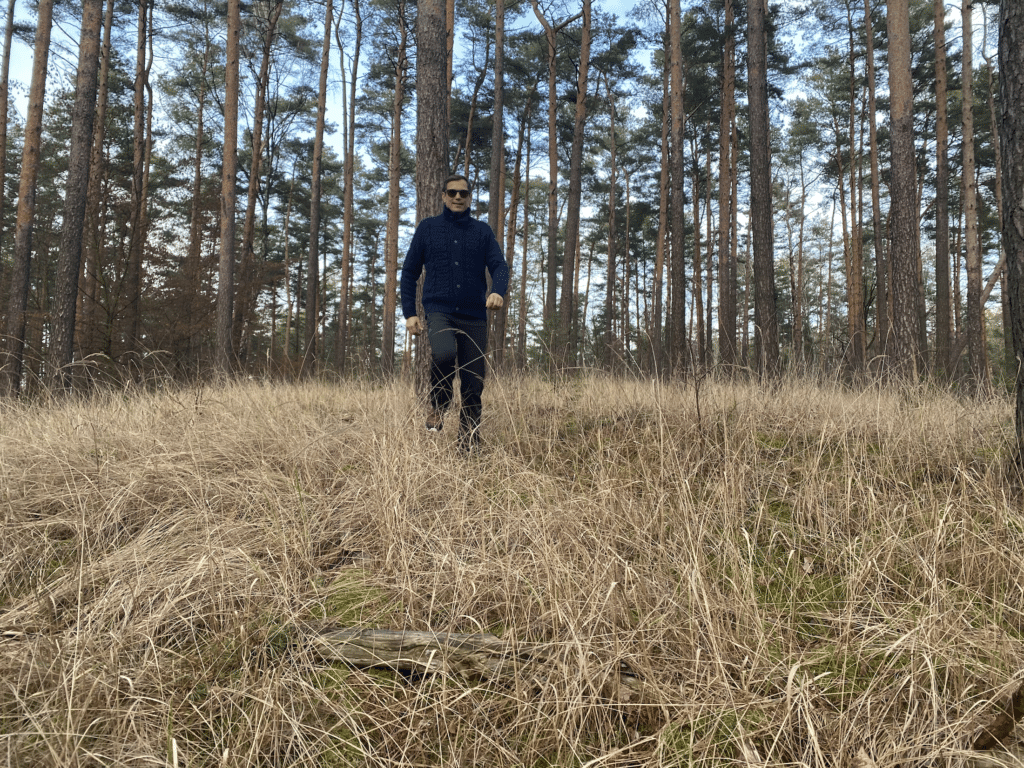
x,y
456,177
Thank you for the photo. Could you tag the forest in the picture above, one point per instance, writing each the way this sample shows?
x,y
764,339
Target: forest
x,y
681,187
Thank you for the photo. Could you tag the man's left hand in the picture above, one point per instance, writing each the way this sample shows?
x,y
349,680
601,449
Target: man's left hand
x,y
494,301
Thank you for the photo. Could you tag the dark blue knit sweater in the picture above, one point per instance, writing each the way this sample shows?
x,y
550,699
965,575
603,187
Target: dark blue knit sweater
x,y
455,249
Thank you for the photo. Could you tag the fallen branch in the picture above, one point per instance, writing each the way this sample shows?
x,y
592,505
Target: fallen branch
x,y
994,733
469,655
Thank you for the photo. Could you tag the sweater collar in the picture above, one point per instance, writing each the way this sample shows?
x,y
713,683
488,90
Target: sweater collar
x,y
458,218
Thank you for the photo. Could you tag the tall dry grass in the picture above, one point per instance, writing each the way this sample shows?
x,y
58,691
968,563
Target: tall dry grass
x,y
797,575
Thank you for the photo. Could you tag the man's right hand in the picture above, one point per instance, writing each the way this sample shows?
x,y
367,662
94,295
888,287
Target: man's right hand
x,y
413,326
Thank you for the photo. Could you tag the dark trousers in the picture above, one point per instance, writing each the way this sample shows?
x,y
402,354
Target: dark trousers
x,y
457,344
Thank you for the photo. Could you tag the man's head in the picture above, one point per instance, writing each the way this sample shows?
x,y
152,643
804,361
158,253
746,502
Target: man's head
x,y
456,194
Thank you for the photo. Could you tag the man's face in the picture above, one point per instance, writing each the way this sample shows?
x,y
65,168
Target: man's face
x,y
456,196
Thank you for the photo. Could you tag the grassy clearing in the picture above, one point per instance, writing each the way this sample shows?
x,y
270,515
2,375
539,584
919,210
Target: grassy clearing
x,y
795,574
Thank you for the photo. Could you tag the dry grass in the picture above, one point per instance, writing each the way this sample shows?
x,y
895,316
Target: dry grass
x,y
807,576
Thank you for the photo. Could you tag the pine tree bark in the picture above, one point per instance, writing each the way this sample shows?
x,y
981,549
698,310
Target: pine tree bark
x,y
12,346
348,195
657,335
882,313
567,305
394,198
766,321
5,79
247,276
943,320
678,357
310,358
904,247
69,261
432,126
226,271
969,188
496,193
92,241
136,243
1011,144
612,353
726,203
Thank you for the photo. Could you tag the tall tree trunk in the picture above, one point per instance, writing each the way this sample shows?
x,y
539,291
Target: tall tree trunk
x,y
226,274
310,357
1011,143
766,322
678,357
92,240
247,276
394,199
136,243
567,307
882,313
432,126
348,194
698,268
193,257
69,261
611,353
12,346
5,78
903,219
496,193
523,307
657,336
855,286
969,187
726,264
990,67
943,321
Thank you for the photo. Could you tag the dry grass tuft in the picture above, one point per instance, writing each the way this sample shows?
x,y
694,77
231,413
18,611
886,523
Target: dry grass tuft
x,y
804,575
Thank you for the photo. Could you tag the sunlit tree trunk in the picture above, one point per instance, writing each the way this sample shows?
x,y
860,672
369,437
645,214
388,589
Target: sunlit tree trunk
x,y
226,272
348,183
698,258
903,228
521,340
495,211
611,352
881,269
657,334
310,358
12,346
394,198
5,73
855,284
247,277
969,188
678,358
432,126
75,196
567,307
726,264
766,321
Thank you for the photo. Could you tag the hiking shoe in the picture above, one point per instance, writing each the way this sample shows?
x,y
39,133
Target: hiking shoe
x,y
435,420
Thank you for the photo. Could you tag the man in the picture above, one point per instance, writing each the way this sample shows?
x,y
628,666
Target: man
x,y
455,249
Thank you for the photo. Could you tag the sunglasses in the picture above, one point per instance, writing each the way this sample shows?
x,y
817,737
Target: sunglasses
x,y
460,193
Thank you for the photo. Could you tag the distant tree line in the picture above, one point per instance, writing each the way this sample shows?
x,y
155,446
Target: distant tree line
x,y
225,185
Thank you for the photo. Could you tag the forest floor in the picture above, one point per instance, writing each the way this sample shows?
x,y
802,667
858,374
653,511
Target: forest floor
x,y
808,575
